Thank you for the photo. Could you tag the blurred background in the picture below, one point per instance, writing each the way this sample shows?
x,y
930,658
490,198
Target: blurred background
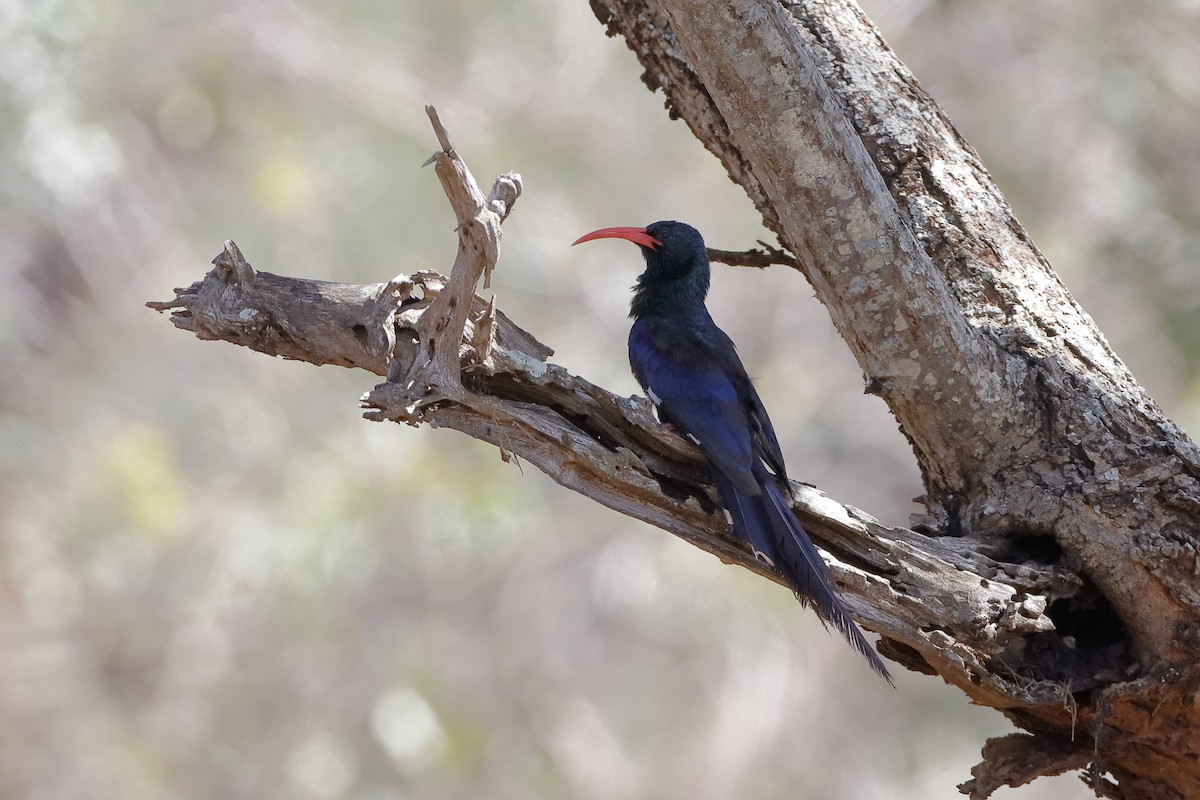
x,y
218,581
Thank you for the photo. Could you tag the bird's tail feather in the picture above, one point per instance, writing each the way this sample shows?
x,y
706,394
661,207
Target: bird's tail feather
x,y
768,525
807,571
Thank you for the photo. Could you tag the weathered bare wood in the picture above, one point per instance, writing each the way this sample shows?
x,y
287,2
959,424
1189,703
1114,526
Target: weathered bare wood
x,y
433,376
1018,759
764,256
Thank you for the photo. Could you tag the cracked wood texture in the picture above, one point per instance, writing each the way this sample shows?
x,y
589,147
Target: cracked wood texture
x,y
1035,442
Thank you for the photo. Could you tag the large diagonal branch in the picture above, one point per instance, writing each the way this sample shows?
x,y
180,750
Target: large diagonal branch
x,y
1031,434
1022,419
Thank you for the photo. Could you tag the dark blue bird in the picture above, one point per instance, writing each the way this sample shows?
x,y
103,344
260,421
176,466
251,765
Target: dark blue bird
x,y
691,371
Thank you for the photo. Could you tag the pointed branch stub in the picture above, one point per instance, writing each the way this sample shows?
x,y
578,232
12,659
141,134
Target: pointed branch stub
x,y
435,374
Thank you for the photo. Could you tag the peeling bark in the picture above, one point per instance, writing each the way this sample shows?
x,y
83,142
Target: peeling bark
x,y
1033,438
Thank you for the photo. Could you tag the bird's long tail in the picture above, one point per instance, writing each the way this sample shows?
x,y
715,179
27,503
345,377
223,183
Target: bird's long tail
x,y
767,524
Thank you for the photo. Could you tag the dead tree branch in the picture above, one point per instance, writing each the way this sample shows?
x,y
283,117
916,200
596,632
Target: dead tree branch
x,y
760,258
495,385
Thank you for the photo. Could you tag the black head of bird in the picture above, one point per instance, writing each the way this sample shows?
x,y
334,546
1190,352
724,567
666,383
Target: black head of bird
x,y
677,271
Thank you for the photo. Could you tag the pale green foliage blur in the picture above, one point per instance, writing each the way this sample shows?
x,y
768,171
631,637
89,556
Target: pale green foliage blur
x,y
217,581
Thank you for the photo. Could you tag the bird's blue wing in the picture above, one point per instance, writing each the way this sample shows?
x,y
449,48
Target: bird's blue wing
x,y
697,396
766,444
700,387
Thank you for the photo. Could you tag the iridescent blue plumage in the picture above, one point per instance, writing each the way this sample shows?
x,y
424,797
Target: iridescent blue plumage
x,y
692,373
